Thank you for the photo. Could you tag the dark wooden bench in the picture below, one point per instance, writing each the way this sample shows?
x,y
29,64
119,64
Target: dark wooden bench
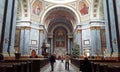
x,y
105,66
25,64
98,65
21,66
9,67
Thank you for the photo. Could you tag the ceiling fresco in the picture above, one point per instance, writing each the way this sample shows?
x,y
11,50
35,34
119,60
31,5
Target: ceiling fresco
x,y
83,7
75,11
37,7
60,13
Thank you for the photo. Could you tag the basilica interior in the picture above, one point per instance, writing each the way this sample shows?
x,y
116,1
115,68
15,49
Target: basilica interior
x,y
81,28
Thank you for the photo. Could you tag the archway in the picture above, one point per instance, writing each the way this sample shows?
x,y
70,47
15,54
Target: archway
x,y
60,36
60,23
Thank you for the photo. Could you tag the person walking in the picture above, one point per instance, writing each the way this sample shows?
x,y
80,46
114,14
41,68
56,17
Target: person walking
x,y
52,61
67,59
62,58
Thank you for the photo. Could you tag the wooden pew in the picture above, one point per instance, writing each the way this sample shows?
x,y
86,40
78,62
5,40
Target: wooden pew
x,y
95,66
9,67
24,66
105,66
29,64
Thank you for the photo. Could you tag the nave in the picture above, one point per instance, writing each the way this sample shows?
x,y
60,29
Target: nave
x,y
81,28
59,67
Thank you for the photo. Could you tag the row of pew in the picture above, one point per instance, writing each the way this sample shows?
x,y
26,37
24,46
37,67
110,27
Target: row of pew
x,y
99,65
23,65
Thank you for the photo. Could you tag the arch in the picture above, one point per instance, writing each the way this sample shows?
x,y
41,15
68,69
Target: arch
x,y
68,30
56,6
65,23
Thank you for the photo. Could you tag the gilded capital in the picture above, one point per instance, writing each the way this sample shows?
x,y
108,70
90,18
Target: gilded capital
x,y
27,28
95,28
79,30
41,30
24,27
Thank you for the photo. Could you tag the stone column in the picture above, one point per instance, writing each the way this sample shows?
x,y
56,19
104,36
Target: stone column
x,y
49,48
96,41
118,24
50,38
79,34
118,14
24,41
68,50
107,29
98,34
2,8
9,26
70,43
41,38
52,45
113,26
13,27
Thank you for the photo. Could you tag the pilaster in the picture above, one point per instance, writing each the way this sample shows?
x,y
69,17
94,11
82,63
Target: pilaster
x,y
68,46
41,39
113,28
7,27
117,2
79,34
70,36
24,40
13,27
96,41
2,8
107,28
50,37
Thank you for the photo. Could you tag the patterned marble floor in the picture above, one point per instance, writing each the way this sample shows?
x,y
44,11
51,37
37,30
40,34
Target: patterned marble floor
x,y
59,67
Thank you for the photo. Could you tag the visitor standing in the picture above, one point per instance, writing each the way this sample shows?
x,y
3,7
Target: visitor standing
x,y
33,54
86,66
67,59
52,61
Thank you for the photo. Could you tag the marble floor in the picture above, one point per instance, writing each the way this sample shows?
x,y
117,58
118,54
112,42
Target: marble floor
x,y
60,67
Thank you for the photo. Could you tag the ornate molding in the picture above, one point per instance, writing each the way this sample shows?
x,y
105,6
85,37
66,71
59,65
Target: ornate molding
x,y
97,21
41,30
23,27
95,28
79,30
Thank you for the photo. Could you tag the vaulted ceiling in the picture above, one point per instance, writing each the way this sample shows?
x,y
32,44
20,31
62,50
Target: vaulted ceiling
x,y
60,13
